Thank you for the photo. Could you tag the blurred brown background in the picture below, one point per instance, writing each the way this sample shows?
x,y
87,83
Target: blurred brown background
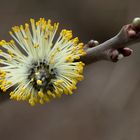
x,y
108,106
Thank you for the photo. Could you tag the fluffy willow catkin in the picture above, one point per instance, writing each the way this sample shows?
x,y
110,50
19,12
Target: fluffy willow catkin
x,y
38,67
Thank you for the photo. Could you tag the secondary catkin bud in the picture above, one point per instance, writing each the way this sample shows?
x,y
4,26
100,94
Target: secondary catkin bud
x,y
93,43
136,22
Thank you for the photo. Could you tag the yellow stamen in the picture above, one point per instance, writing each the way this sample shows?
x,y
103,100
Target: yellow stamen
x,y
39,82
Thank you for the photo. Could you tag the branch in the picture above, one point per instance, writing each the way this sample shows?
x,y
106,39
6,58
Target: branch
x,y
115,48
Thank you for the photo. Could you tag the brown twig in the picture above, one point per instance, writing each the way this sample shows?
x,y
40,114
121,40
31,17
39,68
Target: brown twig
x,y
114,49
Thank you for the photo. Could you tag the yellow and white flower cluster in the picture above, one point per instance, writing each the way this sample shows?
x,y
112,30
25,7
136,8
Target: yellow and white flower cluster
x,y
39,66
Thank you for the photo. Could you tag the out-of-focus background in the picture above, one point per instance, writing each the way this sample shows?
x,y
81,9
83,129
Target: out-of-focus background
x,y
106,105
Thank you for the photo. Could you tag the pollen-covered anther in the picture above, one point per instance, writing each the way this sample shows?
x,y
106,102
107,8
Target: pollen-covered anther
x,y
40,94
12,42
51,94
39,82
1,51
69,58
36,46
